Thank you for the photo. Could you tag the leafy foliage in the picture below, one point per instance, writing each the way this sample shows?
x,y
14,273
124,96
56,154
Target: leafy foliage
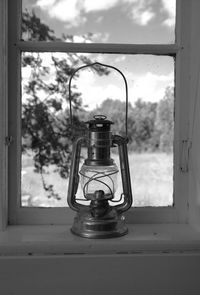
x,y
46,128
33,29
165,120
143,116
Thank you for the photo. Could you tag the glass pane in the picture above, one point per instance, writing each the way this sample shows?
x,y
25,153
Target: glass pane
x,y
46,136
108,21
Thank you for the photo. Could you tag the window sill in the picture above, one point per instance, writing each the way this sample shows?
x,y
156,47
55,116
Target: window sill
x,y
58,240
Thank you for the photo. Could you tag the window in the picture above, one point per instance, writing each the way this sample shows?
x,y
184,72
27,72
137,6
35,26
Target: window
x,y
163,52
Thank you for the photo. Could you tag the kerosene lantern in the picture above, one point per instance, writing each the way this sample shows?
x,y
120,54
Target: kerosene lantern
x,y
103,217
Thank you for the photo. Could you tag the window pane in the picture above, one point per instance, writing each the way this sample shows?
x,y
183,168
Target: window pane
x,y
46,136
108,21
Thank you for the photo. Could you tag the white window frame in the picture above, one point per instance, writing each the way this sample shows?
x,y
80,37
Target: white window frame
x,y
10,188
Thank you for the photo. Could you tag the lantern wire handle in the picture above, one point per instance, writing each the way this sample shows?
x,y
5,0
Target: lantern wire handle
x,y
104,65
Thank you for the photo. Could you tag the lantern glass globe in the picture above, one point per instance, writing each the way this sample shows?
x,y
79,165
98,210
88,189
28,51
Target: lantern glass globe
x,y
95,178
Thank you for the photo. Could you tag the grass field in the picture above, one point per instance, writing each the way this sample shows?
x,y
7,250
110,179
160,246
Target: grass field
x,y
151,177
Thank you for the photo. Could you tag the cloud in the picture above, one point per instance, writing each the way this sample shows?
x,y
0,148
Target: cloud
x,y
94,91
96,5
119,59
45,3
169,6
143,18
64,10
141,11
72,12
150,87
88,38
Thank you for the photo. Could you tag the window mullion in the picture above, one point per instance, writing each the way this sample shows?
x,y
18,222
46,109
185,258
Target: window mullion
x,y
157,49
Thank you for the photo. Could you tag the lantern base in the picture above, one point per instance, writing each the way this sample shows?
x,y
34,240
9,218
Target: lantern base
x,y
109,226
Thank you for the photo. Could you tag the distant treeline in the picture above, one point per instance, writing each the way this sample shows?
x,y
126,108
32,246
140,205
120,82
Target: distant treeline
x,y
150,125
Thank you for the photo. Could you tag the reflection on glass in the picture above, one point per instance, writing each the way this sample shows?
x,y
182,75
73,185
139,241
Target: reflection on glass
x,y
111,21
47,137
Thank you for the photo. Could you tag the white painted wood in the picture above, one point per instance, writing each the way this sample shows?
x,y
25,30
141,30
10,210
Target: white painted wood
x,y
194,135
3,114
159,49
14,107
58,240
65,215
182,103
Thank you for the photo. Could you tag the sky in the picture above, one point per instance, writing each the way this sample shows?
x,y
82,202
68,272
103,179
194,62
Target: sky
x,y
116,21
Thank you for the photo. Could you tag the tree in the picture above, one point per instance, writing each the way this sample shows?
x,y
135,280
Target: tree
x,y
164,124
144,118
34,30
46,128
114,109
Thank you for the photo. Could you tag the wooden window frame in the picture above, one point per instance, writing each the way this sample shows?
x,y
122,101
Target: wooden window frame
x,y
10,169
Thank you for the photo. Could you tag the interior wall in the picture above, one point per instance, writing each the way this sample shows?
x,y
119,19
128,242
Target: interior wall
x,y
122,274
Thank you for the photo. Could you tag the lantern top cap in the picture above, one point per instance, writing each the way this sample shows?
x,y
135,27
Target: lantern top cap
x,y
99,119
